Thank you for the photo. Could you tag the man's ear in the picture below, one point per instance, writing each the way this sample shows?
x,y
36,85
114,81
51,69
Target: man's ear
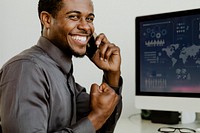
x,y
45,19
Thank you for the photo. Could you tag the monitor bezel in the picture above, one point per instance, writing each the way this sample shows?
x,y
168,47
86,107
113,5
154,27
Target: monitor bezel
x,y
144,18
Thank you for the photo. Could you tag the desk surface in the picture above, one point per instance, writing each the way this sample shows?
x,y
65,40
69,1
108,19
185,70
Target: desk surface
x,y
135,124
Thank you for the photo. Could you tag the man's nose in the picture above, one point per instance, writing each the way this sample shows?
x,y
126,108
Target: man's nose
x,y
83,25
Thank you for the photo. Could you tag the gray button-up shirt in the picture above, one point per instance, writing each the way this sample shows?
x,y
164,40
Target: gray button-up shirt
x,y
38,94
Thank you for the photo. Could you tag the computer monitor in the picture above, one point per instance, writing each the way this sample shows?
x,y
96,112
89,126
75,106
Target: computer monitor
x,y
168,61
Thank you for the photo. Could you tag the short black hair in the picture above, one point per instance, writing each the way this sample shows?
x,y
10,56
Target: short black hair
x,y
50,6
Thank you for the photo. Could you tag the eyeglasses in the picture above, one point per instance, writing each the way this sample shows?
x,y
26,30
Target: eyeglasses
x,y
173,129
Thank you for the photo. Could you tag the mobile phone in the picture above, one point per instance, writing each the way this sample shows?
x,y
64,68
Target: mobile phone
x,y
91,47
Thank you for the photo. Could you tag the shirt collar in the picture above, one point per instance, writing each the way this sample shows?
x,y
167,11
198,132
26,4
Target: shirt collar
x,y
64,61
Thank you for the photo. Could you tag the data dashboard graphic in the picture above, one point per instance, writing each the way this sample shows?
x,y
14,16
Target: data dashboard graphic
x,y
170,54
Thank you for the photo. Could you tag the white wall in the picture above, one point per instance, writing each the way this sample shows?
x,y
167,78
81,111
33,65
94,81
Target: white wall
x,y
20,29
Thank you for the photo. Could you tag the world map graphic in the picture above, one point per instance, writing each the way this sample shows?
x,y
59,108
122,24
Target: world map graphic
x,y
185,54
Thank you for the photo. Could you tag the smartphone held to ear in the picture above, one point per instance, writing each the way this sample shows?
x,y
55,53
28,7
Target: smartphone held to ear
x,y
91,47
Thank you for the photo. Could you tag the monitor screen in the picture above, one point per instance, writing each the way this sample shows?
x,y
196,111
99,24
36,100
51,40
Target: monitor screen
x,y
168,60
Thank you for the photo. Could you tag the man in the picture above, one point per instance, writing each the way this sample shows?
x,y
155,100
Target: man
x,y
38,93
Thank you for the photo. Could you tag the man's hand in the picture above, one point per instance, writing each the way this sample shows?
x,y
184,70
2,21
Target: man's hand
x,y
103,102
108,59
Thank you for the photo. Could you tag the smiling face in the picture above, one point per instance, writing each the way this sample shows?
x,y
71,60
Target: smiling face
x,y
72,26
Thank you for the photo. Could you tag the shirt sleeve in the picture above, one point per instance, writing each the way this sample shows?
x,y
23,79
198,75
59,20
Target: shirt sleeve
x,y
24,101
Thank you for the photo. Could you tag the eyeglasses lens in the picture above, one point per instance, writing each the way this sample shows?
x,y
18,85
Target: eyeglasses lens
x,y
166,130
185,130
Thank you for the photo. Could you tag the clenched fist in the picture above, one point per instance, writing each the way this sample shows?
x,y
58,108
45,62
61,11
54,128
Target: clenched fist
x,y
103,102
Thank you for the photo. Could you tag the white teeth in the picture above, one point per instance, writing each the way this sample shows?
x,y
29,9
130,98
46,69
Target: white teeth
x,y
79,38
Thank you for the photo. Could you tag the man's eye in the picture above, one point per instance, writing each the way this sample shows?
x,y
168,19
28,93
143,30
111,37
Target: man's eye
x,y
90,19
73,17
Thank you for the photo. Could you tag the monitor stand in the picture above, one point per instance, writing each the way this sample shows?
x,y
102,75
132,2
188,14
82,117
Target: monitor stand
x,y
165,117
